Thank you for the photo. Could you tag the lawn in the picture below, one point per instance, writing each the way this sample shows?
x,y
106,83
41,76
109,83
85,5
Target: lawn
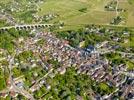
x,y
130,65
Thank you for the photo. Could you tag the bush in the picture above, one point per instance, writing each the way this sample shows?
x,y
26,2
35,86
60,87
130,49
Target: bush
x,y
83,9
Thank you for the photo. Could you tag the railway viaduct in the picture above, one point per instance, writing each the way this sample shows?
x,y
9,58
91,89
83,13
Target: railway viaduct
x,y
21,27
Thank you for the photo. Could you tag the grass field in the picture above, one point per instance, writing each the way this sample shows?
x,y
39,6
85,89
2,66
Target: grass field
x,y
68,11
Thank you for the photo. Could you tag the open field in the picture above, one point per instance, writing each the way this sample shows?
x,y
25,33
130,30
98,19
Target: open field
x,y
68,11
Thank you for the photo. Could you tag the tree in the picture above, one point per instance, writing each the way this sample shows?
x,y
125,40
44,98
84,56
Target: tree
x,y
13,32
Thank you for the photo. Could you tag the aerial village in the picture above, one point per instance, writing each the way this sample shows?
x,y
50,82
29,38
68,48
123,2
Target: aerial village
x,y
28,71
45,55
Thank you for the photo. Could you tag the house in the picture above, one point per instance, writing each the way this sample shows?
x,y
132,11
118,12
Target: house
x,y
13,94
33,65
66,43
79,97
126,40
35,74
115,47
90,49
21,39
20,85
48,86
8,83
52,75
3,95
126,33
82,44
42,82
34,88
61,70
116,39
130,96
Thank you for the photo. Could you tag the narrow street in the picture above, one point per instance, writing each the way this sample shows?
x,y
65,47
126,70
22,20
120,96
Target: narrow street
x,y
13,85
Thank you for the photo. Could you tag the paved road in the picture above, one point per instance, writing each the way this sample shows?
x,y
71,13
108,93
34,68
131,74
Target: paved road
x,y
103,51
14,87
130,74
43,77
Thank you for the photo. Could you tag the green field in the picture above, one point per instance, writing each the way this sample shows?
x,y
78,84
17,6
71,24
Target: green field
x,y
68,11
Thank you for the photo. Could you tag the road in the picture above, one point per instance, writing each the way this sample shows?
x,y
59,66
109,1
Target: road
x,y
130,74
117,13
103,51
13,85
43,77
